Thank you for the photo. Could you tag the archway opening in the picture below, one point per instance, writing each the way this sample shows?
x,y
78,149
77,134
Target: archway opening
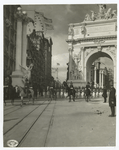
x,y
99,69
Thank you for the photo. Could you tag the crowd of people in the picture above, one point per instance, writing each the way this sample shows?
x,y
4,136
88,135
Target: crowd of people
x,y
31,93
19,92
87,93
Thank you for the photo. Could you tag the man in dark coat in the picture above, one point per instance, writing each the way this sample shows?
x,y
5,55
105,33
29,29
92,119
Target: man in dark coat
x,y
71,92
88,91
112,100
104,94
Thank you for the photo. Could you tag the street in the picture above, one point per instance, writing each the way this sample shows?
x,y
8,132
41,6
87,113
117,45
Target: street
x,y
60,123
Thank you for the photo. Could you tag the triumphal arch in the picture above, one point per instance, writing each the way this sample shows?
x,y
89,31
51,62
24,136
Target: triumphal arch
x,y
89,40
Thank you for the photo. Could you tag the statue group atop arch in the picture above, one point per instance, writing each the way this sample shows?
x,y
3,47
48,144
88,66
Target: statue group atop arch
x,y
89,40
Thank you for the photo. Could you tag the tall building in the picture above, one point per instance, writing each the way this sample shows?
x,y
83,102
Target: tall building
x,y
10,27
39,52
21,50
9,45
48,57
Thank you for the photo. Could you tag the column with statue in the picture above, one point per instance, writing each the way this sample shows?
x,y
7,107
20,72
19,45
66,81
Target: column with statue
x,y
17,74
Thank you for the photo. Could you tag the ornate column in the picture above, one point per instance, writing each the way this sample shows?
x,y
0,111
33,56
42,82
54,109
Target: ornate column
x,y
95,77
115,67
19,18
24,39
115,74
100,78
17,74
83,69
70,62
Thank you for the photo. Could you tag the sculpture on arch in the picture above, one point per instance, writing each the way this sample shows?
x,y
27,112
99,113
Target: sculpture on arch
x,y
93,15
71,31
87,17
108,13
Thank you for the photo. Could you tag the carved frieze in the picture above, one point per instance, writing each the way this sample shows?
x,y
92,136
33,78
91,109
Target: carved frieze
x,y
99,42
112,50
88,51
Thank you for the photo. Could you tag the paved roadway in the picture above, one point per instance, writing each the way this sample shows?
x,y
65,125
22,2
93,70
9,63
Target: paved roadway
x,y
60,123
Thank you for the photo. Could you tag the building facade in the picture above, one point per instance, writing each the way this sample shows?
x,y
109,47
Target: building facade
x,y
91,39
48,59
9,45
27,58
10,27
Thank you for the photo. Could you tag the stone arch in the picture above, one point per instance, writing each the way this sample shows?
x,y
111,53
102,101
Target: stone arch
x,y
95,54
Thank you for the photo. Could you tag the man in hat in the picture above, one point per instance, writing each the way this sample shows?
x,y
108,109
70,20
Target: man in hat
x,y
112,100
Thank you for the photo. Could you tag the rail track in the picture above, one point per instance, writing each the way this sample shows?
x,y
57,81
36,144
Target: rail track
x,y
24,136
23,117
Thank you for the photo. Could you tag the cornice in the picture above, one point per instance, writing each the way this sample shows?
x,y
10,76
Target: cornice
x,y
92,22
112,37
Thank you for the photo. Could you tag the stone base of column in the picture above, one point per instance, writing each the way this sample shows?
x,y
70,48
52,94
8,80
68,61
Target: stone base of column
x,y
17,78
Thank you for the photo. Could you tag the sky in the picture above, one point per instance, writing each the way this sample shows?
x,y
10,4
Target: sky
x,y
62,15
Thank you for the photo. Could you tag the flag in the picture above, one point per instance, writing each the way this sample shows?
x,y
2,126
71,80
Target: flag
x,y
58,64
46,20
39,13
49,26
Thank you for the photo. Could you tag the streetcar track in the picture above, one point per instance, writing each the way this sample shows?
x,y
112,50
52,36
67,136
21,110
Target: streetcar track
x,y
5,114
50,124
11,111
26,133
24,118
8,108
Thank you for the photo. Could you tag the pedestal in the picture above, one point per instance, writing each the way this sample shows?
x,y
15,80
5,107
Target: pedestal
x,y
17,77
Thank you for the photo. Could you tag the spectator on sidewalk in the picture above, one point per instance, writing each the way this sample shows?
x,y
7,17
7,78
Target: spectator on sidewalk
x,y
112,100
104,94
